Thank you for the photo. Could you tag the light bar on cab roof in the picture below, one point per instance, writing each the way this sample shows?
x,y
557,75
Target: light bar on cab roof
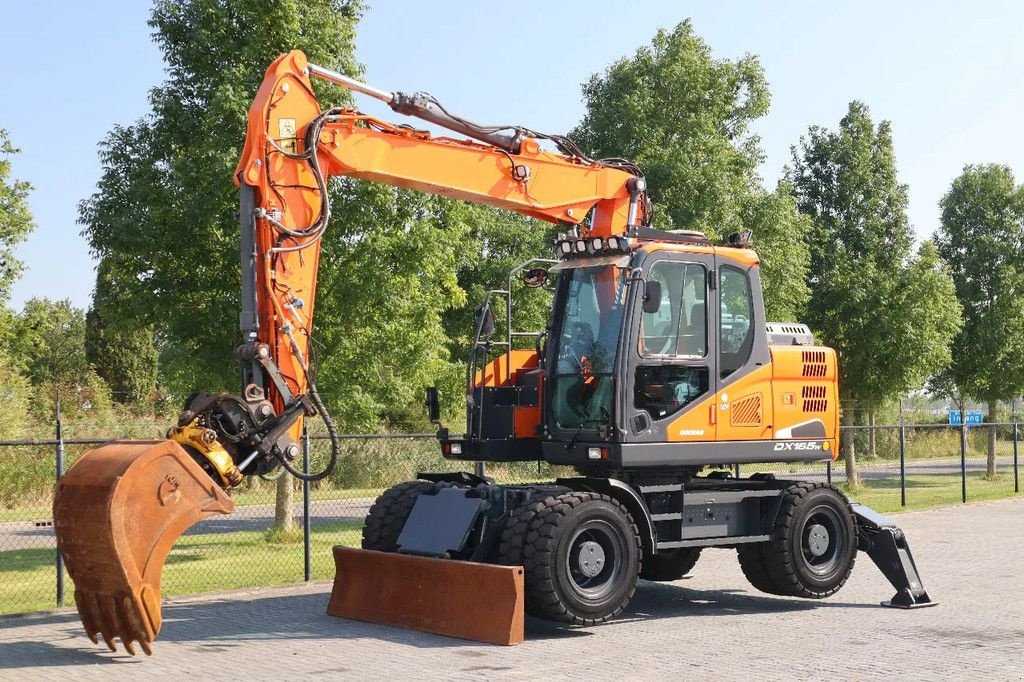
x,y
568,246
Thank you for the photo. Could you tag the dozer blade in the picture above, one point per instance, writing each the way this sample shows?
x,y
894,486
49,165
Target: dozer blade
x,y
455,598
116,514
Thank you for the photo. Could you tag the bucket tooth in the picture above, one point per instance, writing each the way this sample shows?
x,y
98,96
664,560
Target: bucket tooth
x,y
460,599
116,514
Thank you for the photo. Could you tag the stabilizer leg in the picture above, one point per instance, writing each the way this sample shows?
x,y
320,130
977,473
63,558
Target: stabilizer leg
x,y
887,546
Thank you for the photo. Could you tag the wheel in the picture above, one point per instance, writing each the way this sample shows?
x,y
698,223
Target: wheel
x,y
669,564
581,558
387,515
515,533
813,545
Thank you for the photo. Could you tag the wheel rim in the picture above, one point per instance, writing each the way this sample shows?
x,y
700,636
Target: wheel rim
x,y
593,560
822,541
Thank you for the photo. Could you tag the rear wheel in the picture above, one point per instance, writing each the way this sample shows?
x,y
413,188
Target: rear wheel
x,y
388,514
812,549
581,558
670,564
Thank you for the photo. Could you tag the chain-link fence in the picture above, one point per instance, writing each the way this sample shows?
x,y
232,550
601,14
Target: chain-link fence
x,y
283,531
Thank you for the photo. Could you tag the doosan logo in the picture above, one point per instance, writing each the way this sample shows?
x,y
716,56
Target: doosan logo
x,y
798,445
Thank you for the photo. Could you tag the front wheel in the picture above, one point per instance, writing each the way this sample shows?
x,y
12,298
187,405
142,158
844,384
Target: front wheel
x,y
581,558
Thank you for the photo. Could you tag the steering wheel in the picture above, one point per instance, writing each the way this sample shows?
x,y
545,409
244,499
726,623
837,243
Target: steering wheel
x,y
579,341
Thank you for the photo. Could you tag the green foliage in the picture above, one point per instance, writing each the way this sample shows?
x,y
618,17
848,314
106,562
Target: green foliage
x,y
162,218
685,118
47,344
125,358
15,217
388,273
779,232
499,242
889,313
982,236
15,394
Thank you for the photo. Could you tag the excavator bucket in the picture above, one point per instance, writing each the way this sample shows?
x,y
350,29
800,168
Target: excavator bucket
x,y
116,514
455,598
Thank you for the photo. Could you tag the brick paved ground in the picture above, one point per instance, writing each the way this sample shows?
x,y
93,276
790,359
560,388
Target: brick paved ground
x,y
712,624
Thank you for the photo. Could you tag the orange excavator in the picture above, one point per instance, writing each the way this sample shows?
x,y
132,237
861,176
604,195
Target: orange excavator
x,y
656,377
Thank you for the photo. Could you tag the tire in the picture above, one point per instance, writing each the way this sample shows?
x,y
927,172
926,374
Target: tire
x,y
387,515
581,557
514,534
670,564
813,545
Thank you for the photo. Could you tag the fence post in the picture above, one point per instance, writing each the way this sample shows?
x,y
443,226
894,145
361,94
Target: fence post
x,y
1016,478
736,470
306,568
903,462
828,471
58,433
963,460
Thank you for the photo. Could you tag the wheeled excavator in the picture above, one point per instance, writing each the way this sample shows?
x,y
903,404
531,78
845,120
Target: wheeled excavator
x,y
656,375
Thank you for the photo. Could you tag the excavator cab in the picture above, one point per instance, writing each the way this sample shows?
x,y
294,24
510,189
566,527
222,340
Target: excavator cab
x,y
656,340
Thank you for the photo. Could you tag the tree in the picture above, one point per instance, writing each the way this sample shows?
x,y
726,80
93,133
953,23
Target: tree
x,y
685,117
982,238
890,313
15,218
125,358
16,395
48,346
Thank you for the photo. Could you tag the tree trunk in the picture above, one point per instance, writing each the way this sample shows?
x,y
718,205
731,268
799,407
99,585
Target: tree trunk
x,y
850,456
990,470
284,508
872,443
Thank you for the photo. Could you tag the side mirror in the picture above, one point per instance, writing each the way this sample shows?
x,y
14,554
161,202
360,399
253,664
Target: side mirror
x,y
652,296
433,405
535,277
485,321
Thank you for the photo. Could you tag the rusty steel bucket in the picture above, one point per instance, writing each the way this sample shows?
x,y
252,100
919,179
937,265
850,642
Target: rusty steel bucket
x,y
460,599
116,514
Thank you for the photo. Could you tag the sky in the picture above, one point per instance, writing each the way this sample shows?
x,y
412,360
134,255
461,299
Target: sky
x,y
946,74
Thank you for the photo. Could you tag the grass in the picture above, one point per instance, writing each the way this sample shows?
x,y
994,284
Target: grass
x,y
929,490
198,563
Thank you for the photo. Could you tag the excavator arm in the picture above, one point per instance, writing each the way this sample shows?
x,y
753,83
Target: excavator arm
x,y
121,507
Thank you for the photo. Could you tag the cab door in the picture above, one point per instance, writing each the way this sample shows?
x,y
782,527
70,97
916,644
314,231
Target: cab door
x,y
743,373
670,375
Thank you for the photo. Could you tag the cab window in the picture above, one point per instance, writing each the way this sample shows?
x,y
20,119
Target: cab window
x,y
736,328
663,390
679,327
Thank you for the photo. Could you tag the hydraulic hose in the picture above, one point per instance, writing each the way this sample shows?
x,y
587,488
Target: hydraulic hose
x,y
332,433
314,396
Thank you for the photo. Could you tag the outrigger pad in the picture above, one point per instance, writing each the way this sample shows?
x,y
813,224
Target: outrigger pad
x,y
887,546
460,599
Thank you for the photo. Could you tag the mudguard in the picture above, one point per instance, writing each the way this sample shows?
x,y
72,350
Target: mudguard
x,y
116,514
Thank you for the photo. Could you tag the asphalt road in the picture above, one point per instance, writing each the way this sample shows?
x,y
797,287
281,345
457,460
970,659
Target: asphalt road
x,y
711,625
25,534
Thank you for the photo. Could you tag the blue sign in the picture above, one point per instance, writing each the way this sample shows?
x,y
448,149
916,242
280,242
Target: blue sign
x,y
970,416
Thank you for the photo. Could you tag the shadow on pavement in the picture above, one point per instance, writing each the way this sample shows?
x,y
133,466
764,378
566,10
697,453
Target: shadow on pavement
x,y
219,626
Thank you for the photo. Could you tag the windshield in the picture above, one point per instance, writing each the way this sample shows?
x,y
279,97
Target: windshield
x,y
591,319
